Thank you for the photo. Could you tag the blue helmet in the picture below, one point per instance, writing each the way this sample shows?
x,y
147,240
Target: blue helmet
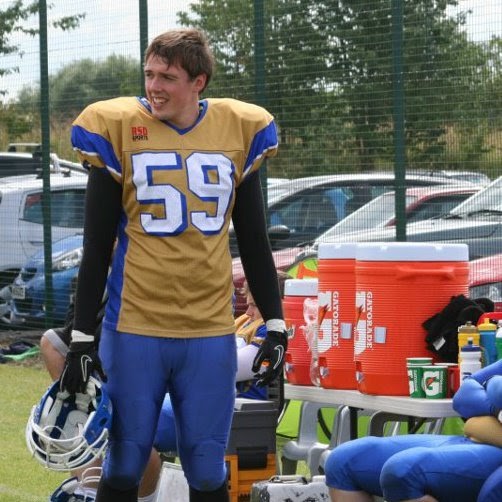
x,y
68,431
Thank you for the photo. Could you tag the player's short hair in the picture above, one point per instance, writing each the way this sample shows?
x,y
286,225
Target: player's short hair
x,y
186,47
281,278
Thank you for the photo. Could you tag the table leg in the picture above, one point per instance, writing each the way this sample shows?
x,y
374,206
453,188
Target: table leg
x,y
353,422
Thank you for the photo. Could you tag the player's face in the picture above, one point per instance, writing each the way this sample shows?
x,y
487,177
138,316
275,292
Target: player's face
x,y
173,96
252,310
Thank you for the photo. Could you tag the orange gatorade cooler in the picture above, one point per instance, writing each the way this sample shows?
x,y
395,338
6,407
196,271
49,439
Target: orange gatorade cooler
x,y
336,299
300,311
399,285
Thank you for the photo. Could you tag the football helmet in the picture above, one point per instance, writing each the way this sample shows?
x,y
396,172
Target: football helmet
x,y
68,431
75,490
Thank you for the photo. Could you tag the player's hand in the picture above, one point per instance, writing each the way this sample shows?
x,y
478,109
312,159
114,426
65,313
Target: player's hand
x,y
272,351
82,361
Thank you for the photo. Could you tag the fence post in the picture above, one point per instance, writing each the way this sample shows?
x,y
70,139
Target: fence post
x,y
260,94
398,113
143,39
46,147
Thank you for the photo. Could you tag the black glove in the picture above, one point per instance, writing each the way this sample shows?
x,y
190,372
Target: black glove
x,y
81,362
272,350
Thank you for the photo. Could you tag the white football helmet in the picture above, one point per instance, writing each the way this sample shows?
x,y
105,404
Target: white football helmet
x,y
68,431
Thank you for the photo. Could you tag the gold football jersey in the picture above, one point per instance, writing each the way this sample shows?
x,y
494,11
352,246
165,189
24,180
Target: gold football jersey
x,y
171,274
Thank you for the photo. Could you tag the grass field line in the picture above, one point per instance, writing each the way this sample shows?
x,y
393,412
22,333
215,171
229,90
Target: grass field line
x,y
22,496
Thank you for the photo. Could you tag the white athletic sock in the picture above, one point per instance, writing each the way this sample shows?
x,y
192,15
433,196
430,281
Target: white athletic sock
x,y
148,498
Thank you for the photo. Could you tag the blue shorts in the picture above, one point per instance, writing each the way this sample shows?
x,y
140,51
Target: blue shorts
x,y
411,466
198,373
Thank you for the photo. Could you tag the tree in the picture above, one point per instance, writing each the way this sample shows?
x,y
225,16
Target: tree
x,y
329,75
12,20
80,83
75,86
17,121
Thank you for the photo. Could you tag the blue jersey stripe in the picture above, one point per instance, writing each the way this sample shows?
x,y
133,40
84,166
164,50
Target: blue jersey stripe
x,y
95,145
264,140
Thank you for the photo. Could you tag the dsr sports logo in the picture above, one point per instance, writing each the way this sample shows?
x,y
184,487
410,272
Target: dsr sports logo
x,y
139,133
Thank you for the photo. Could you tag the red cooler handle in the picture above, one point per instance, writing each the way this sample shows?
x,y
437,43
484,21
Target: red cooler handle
x,y
407,272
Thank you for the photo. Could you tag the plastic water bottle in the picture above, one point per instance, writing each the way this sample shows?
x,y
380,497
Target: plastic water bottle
x,y
498,340
487,331
466,331
470,359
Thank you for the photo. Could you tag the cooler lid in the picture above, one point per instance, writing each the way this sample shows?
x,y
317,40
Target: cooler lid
x,y
411,251
300,287
340,250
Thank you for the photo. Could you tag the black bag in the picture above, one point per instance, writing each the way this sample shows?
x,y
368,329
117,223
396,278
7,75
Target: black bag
x,y
442,328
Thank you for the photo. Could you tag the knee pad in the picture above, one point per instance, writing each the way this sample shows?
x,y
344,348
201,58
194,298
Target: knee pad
x,y
204,466
402,475
346,459
494,390
124,464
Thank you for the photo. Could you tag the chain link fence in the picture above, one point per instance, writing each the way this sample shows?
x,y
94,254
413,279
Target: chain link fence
x,y
359,88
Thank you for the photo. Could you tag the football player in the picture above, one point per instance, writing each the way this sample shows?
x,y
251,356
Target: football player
x,y
167,173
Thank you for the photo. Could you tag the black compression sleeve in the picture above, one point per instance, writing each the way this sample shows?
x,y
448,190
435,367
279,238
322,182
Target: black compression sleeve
x,y
254,247
103,205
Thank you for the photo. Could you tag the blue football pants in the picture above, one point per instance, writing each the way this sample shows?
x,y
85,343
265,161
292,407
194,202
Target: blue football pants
x,y
198,373
413,465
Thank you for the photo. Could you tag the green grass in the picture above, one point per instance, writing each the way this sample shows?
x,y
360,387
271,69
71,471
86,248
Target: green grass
x,y
22,479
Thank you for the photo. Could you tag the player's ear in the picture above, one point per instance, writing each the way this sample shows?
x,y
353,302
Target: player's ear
x,y
200,82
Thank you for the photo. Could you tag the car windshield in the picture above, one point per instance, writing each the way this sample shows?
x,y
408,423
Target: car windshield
x,y
486,200
375,213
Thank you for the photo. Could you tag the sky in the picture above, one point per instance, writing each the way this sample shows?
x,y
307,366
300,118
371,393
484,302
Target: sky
x,y
108,27
112,27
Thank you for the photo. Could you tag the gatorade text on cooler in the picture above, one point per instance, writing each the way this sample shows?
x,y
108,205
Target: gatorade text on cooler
x,y
470,359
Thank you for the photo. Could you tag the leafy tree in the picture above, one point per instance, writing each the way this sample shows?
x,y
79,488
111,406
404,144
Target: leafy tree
x,y
80,83
17,121
12,20
329,76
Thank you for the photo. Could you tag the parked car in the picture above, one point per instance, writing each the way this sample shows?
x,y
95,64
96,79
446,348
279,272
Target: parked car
x,y
485,274
274,182
476,177
28,307
304,208
477,221
473,177
18,163
421,203
28,294
21,214
485,279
